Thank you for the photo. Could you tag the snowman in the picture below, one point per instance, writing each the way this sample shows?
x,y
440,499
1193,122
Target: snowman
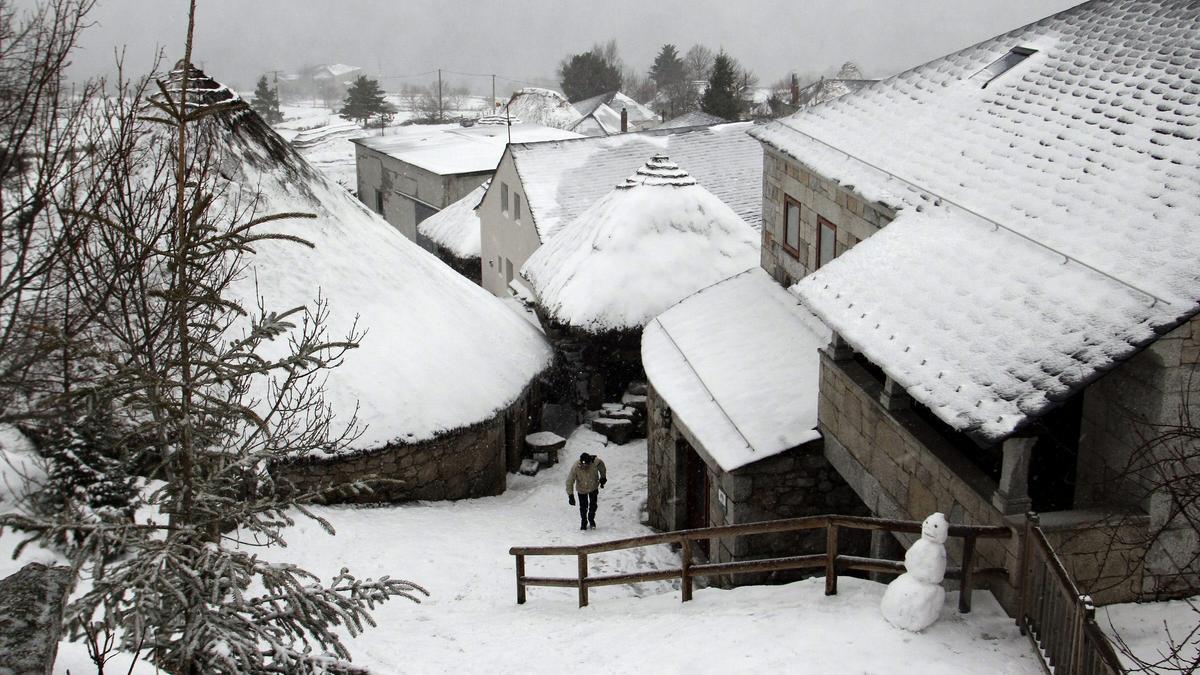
x,y
914,600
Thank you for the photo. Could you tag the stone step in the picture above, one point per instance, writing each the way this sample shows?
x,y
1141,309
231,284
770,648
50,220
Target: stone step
x,y
619,431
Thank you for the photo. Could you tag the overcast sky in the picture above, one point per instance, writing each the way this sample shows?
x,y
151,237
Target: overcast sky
x,y
236,40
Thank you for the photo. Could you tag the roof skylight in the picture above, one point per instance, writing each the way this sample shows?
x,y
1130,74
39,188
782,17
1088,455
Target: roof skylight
x,y
1003,65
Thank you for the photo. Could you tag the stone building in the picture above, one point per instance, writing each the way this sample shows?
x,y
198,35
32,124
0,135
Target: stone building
x,y
541,187
1003,242
732,419
452,234
427,330
409,175
650,242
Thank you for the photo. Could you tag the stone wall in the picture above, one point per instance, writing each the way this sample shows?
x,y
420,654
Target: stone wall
x,y
31,618
401,183
855,217
902,468
464,463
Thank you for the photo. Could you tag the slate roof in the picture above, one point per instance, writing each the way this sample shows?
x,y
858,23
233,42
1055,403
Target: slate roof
x,y
562,178
1047,225
452,149
695,118
738,363
653,240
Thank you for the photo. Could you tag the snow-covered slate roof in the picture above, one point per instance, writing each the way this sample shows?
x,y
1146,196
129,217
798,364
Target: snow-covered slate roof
x,y
452,149
543,106
738,364
824,90
440,353
456,227
650,242
563,178
695,118
1082,164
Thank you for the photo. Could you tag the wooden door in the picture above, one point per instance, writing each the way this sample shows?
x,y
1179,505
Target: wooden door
x,y
696,497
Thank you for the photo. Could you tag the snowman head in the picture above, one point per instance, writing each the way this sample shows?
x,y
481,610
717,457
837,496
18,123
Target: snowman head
x,y
935,529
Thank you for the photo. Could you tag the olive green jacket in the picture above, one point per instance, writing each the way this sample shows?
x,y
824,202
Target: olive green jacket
x,y
586,477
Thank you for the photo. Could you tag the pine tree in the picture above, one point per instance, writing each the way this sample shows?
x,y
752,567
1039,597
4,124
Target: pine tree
x,y
365,101
670,77
721,96
588,74
266,102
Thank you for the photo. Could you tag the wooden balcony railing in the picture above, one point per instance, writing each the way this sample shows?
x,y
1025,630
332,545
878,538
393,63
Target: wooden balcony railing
x,y
830,561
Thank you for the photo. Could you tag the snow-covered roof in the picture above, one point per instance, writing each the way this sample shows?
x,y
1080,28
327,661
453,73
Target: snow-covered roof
x,y
561,179
695,118
334,70
543,106
738,364
452,149
440,353
456,227
1047,224
650,242
637,113
824,90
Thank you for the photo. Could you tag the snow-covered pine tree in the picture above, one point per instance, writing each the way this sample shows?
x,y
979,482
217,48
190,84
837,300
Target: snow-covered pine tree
x,y
266,102
721,96
365,102
213,392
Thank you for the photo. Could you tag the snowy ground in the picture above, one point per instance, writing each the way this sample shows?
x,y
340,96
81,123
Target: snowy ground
x,y
1148,629
471,622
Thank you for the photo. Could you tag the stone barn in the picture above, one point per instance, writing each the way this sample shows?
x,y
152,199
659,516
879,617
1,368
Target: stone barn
x,y
444,382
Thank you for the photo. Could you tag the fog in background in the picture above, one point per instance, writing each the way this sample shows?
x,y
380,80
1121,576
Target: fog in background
x,y
523,41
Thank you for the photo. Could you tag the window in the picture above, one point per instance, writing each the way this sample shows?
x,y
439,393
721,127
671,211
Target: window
x,y
504,198
379,201
1002,65
517,206
826,241
791,226
508,272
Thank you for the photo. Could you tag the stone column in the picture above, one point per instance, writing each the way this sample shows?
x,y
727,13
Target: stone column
x,y
893,396
838,349
1012,494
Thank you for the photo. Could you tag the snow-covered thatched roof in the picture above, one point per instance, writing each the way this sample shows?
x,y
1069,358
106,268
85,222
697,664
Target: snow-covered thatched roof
x,y
456,227
652,241
440,353
738,364
543,106
1048,191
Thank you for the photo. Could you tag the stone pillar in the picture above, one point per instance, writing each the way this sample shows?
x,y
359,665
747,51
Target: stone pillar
x,y
1012,494
838,349
893,396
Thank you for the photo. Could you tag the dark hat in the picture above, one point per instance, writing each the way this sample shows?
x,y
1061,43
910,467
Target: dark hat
x,y
586,458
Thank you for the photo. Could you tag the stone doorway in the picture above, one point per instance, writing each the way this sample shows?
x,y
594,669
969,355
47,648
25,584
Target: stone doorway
x,y
697,486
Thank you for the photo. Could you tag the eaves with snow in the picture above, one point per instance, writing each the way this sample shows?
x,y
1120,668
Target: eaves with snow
x,y
456,227
739,366
649,243
1047,183
452,149
439,353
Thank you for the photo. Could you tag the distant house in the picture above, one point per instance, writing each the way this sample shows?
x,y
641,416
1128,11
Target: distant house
x,y
1004,242
695,118
732,418
654,239
540,187
612,113
427,329
326,82
543,106
409,175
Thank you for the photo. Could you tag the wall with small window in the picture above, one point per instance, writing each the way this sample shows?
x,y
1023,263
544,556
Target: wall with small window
x,y
808,219
508,235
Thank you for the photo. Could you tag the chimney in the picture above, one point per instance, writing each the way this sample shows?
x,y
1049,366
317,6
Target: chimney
x,y
624,120
795,90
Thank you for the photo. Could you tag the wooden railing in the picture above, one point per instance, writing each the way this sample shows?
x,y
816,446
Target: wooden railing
x,y
1059,620
688,571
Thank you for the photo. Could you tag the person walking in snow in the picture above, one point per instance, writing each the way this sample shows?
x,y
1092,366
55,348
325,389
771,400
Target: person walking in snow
x,y
586,478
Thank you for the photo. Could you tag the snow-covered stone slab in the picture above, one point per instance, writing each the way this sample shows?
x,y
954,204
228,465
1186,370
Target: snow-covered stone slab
x,y
618,431
543,440
530,467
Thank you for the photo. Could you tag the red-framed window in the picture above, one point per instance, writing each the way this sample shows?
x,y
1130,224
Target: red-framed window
x,y
791,226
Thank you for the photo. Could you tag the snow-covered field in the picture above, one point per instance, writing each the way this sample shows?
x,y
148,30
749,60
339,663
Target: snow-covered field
x,y
471,622
1149,629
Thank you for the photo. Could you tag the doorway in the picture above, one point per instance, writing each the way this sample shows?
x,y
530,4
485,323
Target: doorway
x,y
696,491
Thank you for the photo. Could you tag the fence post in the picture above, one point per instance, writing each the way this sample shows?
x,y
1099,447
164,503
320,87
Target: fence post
x,y
583,573
1087,616
968,574
520,579
831,551
686,568
1023,575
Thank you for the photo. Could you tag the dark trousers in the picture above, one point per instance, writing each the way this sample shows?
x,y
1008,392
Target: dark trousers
x,y
587,506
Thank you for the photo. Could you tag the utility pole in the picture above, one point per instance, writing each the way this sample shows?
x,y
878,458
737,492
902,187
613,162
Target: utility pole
x,y
493,94
440,116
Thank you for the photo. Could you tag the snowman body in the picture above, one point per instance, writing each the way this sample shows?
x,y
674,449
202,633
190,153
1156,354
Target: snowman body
x,y
914,600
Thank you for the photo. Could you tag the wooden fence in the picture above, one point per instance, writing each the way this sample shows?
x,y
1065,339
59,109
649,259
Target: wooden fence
x,y
1059,620
830,560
